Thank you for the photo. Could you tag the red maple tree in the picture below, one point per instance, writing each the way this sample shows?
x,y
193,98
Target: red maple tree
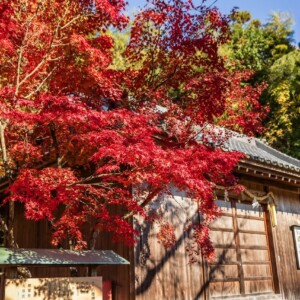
x,y
79,136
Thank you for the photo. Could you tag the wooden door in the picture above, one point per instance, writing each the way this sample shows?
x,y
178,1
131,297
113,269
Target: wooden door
x,y
242,265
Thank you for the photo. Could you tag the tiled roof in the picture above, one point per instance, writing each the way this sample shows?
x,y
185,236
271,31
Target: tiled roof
x,y
258,150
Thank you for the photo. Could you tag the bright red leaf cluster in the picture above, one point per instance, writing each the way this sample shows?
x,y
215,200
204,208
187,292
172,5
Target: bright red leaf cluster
x,y
81,138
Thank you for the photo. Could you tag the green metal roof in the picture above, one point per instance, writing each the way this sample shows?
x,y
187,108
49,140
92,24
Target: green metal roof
x,y
58,257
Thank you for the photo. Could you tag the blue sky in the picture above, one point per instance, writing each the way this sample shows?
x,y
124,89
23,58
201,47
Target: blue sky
x,y
260,9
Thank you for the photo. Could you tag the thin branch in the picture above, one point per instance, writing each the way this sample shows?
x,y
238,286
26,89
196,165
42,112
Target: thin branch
x,y
101,186
41,84
19,64
3,144
91,178
42,62
46,57
168,78
55,142
145,202
152,51
212,4
70,22
20,56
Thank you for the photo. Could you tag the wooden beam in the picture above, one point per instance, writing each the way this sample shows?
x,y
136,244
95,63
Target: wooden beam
x,y
258,169
2,285
224,246
291,187
250,217
257,262
254,247
221,229
234,263
225,280
252,232
258,278
238,248
271,252
245,278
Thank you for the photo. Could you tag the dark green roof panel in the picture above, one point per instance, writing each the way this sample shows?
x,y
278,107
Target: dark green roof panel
x,y
36,257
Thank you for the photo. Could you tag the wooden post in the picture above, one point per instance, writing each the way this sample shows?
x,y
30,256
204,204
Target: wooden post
x,y
2,285
271,251
93,271
238,249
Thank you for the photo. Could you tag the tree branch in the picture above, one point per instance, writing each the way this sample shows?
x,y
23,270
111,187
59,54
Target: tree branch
x,y
46,56
41,84
20,56
145,202
168,78
3,144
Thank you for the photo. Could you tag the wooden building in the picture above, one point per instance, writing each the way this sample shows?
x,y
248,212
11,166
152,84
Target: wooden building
x,y
254,260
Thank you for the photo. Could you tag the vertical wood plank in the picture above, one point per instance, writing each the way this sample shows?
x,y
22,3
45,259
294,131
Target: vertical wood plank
x,y
288,214
271,250
2,285
238,250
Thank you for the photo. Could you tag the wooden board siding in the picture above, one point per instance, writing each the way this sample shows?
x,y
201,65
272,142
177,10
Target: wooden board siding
x,y
167,274
246,269
288,214
162,274
31,234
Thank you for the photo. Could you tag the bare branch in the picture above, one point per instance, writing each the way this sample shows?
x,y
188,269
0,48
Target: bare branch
x,y
70,22
167,79
89,180
3,125
20,56
41,84
46,57
149,198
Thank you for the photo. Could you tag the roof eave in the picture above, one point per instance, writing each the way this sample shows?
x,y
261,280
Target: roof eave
x,y
269,171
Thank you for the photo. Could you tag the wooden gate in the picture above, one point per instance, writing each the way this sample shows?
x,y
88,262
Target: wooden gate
x,y
243,262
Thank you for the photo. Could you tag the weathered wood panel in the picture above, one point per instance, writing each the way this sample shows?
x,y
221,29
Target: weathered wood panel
x,y
228,256
258,286
31,234
224,274
224,289
249,255
284,269
288,214
162,274
247,224
167,274
248,269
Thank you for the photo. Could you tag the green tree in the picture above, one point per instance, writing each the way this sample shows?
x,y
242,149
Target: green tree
x,y
283,96
268,50
247,46
257,46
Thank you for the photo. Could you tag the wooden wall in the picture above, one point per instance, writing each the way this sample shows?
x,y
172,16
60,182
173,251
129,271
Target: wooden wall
x,y
269,271
31,234
242,265
166,274
288,214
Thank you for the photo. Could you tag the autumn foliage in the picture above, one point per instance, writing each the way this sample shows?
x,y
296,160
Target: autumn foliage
x,y
79,136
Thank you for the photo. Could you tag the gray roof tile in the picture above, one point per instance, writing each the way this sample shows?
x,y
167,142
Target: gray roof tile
x,y
258,150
